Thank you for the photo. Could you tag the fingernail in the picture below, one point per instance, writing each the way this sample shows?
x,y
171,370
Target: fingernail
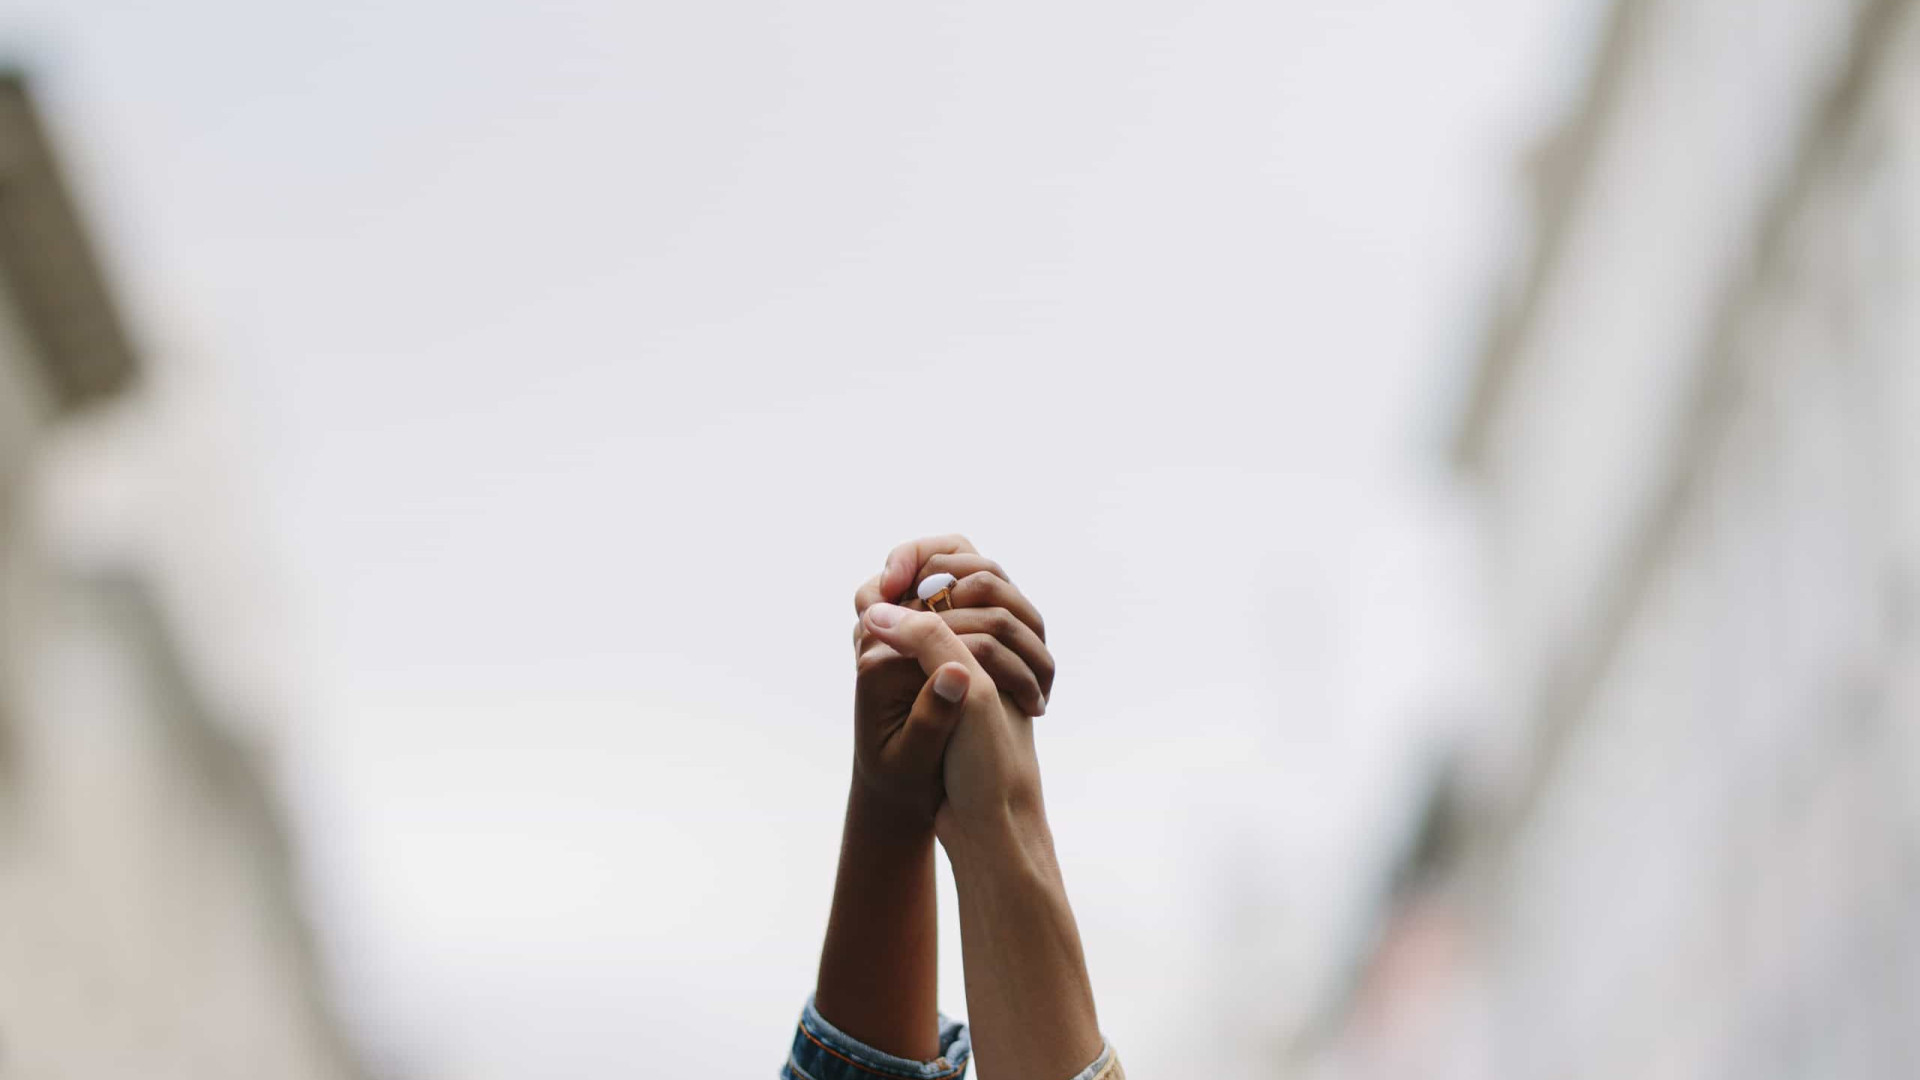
x,y
884,615
1043,706
950,683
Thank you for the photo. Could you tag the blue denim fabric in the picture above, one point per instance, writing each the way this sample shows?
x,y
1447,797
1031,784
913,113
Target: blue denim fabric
x,y
824,1052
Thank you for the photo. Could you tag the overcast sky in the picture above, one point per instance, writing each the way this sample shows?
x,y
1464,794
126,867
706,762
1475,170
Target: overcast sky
x,y
531,385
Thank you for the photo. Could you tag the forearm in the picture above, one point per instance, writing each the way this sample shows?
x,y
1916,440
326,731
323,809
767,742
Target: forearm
x,y
1029,1001
879,966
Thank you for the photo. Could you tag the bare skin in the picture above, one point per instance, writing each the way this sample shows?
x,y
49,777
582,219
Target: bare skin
x,y
879,965
1028,995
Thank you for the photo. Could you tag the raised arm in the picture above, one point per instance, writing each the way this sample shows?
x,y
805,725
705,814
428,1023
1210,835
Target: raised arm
x,y
1029,999
878,966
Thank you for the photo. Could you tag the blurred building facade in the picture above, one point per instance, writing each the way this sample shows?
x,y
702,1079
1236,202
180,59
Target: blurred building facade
x,y
148,923
1689,843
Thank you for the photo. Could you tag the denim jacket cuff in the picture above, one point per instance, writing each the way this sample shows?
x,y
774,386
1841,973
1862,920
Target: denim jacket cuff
x,y
824,1052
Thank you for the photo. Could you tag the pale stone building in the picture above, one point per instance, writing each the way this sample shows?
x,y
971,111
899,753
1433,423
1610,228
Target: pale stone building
x,y
148,922
1686,842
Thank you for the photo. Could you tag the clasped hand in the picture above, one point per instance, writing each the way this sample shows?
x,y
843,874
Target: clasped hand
x,y
943,701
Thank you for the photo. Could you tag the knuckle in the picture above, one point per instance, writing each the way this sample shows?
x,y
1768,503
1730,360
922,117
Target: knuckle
x,y
985,649
979,588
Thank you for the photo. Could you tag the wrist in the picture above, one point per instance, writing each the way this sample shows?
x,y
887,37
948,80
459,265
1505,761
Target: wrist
x,y
1011,834
882,818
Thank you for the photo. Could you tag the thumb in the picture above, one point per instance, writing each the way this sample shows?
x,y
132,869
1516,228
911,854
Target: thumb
x,y
922,635
920,744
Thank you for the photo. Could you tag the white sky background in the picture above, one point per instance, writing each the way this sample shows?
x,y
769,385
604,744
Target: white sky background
x,y
533,383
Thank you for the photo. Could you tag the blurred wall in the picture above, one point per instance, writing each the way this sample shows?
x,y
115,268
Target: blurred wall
x,y
147,920
1687,843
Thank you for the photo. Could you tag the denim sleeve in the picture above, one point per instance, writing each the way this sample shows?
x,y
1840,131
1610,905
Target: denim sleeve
x,y
824,1052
